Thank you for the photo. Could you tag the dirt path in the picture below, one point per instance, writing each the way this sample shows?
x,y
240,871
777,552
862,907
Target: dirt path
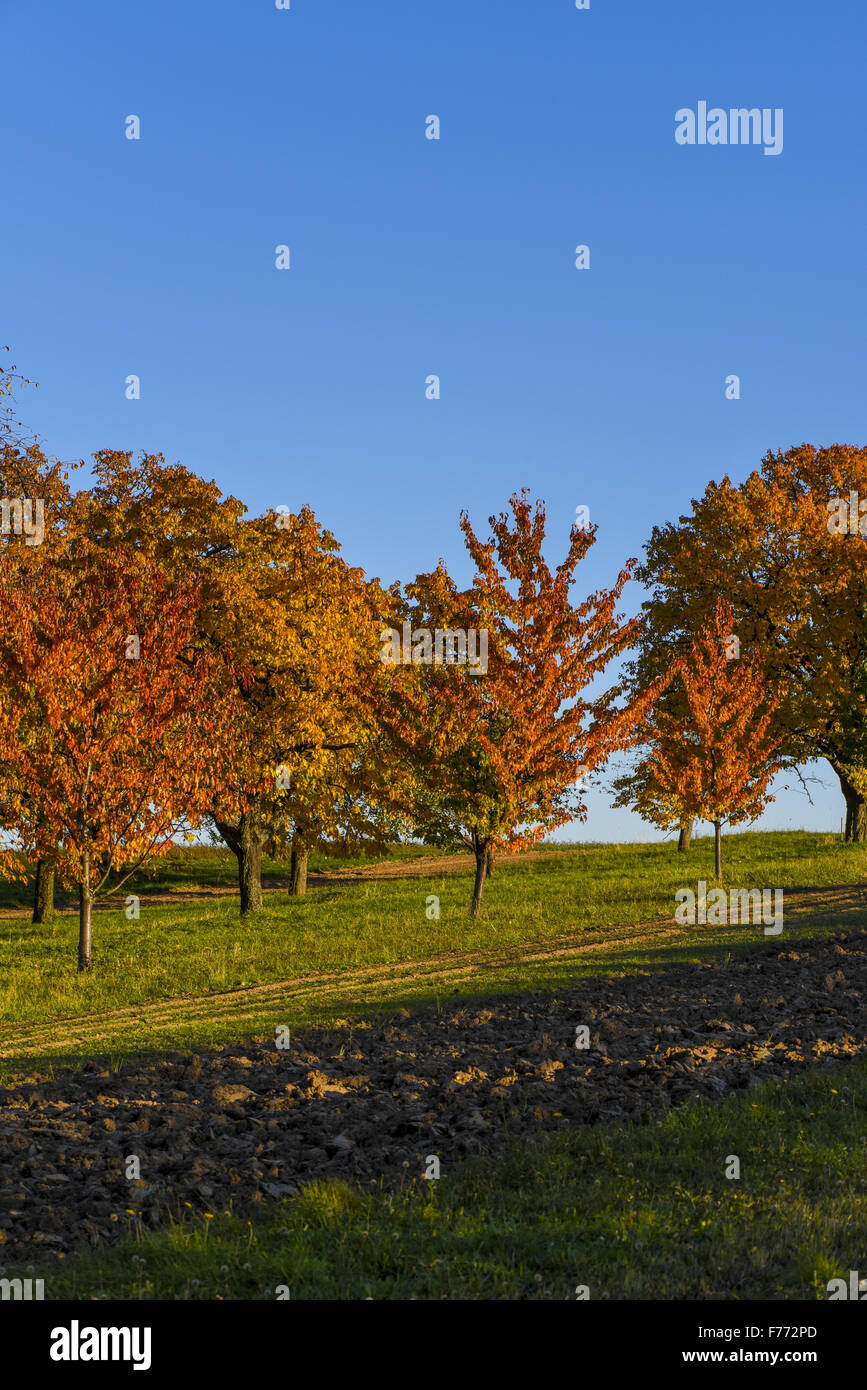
x,y
338,986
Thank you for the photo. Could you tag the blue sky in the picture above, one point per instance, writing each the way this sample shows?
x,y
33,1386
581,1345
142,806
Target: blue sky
x,y
411,257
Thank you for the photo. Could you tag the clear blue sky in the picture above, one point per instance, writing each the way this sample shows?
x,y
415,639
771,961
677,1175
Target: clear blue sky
x,y
409,257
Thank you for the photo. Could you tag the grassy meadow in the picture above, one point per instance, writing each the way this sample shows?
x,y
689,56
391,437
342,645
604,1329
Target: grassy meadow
x,y
633,1210
360,947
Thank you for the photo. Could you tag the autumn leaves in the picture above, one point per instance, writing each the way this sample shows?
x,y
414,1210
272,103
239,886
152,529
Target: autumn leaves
x,y
259,706
798,600
103,758
495,761
251,643
711,753
258,703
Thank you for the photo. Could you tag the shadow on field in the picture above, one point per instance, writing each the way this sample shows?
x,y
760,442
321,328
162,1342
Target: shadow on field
x,y
370,1100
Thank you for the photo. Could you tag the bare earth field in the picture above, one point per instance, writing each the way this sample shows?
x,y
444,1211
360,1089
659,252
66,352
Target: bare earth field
x,y
369,1101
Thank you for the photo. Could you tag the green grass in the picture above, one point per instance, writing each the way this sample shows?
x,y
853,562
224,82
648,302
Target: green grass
x,y
598,895
631,1211
190,867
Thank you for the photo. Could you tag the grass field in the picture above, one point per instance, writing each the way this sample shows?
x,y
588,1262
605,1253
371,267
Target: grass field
x,y
364,946
641,1210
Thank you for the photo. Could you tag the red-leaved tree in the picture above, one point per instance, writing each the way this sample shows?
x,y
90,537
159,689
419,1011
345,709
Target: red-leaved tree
x,y
500,755
113,727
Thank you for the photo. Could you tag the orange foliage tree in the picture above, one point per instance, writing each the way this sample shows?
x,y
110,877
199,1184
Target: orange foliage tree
x,y
788,549
112,730
301,623
500,755
712,758
40,484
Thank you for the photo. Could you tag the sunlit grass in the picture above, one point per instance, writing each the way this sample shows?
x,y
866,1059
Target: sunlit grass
x,y
619,898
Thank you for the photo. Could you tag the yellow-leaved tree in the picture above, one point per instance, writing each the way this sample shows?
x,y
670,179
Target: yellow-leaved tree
x,y
295,624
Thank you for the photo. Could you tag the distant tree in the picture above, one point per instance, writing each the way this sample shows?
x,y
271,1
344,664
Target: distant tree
x,y
788,549
640,790
713,759
356,799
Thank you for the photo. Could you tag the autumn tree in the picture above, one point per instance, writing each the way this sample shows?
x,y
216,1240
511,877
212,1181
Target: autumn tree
x,y
305,624
40,485
640,790
300,622
714,760
788,549
356,799
500,755
112,729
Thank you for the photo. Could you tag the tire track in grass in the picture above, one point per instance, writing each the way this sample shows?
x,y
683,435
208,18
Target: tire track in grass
x,y
332,986
357,986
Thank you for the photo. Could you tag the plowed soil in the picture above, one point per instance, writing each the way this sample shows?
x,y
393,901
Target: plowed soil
x,y
369,1102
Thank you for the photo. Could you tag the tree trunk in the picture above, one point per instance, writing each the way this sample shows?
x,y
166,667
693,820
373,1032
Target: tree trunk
x,y
298,869
43,892
245,841
85,905
489,862
717,849
685,838
481,874
856,811
250,861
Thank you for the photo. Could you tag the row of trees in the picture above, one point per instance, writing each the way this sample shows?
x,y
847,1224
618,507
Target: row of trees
x,y
169,662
